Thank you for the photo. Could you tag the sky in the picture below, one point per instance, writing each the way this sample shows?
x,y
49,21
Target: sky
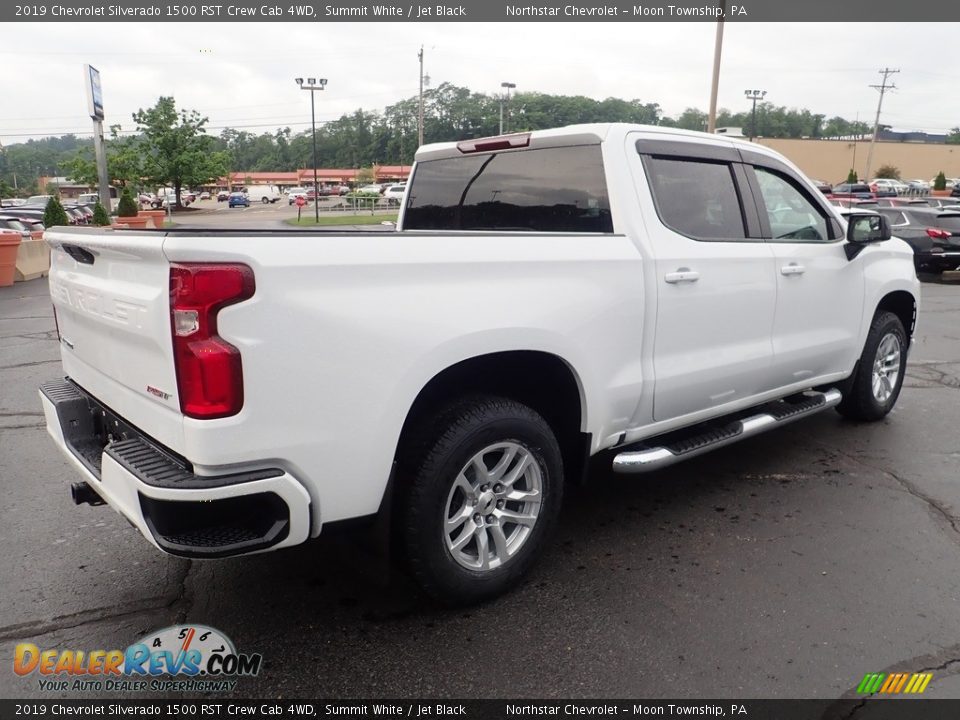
x,y
242,74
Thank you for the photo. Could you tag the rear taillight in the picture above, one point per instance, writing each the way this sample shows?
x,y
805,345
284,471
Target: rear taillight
x,y
938,234
209,369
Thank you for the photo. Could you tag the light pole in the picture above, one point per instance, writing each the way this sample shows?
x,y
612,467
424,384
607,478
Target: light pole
x,y
314,84
508,86
754,95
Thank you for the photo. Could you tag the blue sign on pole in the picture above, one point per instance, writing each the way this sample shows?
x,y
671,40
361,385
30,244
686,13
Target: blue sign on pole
x,y
94,93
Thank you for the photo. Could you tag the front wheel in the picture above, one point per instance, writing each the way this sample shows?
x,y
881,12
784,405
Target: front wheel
x,y
485,487
876,386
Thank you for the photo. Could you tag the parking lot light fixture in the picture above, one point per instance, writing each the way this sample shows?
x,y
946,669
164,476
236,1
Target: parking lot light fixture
x,y
754,95
313,84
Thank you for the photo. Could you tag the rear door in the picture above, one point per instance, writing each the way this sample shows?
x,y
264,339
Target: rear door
x,y
715,281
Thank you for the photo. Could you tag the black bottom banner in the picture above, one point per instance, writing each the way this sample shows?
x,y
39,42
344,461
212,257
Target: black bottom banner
x,y
213,709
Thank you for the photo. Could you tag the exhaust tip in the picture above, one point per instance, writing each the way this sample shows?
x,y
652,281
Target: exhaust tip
x,y
81,493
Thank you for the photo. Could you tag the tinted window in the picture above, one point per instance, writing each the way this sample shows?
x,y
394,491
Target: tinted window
x,y
793,217
697,199
550,190
949,222
895,217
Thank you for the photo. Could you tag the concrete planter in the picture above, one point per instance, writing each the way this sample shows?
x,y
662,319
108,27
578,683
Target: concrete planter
x,y
940,193
9,245
33,259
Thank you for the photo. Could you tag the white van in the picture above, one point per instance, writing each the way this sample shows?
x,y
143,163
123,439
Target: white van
x,y
263,193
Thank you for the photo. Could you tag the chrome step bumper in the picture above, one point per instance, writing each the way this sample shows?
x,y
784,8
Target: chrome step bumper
x,y
653,456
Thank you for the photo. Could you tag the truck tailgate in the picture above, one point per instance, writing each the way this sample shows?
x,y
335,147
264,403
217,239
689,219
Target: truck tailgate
x,y
111,294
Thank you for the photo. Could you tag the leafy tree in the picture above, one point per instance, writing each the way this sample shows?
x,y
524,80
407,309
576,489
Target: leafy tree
x,y
365,176
852,176
100,216
54,214
953,138
127,207
176,151
888,171
940,183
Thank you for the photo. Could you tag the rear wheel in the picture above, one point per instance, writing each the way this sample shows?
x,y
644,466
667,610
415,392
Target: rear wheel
x,y
876,386
485,486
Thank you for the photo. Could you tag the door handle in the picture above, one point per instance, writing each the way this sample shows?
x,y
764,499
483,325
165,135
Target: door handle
x,y
682,275
793,269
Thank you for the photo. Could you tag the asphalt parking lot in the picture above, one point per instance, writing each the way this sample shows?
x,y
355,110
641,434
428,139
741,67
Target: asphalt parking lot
x,y
787,566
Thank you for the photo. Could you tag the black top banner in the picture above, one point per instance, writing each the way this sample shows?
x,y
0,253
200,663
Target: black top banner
x,y
865,11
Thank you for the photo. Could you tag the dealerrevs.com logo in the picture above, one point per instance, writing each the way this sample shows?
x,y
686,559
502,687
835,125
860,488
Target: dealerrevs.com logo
x,y
178,658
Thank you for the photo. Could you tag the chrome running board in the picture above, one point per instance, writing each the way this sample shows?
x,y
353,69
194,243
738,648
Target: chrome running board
x,y
657,453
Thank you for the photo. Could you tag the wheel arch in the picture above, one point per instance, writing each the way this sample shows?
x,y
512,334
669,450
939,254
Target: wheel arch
x,y
902,304
541,380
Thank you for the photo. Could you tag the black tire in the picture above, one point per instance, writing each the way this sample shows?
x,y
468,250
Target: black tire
x,y
859,402
430,463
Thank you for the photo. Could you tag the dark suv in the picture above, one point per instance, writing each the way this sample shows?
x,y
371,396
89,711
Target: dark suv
x,y
933,234
857,191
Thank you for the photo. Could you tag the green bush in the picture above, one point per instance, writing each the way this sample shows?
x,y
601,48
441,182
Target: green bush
x,y
100,216
941,182
852,176
127,207
54,214
890,172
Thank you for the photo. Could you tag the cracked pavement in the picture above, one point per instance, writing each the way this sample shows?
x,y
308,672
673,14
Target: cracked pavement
x,y
788,565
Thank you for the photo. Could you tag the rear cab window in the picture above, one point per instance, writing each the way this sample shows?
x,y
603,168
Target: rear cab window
x,y
553,189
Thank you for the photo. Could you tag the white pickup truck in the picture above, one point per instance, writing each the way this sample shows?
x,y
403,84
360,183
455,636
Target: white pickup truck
x,y
645,293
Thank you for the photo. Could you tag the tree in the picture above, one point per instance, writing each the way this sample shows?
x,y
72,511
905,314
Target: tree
x,y
888,171
127,207
953,138
940,183
54,214
100,216
124,162
176,151
852,176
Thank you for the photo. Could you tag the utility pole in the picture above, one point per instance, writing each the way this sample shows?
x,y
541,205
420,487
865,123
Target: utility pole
x,y
715,83
882,88
420,121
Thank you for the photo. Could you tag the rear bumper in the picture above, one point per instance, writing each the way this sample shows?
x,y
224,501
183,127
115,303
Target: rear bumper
x,y
179,512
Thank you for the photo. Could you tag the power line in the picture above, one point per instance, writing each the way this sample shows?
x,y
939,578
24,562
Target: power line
x,y
882,88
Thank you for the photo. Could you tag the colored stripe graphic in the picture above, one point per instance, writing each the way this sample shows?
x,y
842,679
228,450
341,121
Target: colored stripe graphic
x,y
894,683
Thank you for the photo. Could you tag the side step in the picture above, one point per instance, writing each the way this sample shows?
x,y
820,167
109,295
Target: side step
x,y
674,447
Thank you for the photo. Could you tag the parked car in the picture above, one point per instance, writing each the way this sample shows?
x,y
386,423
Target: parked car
x,y
933,233
40,200
886,187
294,194
394,193
238,199
918,186
940,202
12,202
223,196
204,195
652,330
27,231
371,190
824,187
956,191
858,191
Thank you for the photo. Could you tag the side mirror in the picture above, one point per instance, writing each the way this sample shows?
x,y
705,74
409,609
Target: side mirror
x,y
864,229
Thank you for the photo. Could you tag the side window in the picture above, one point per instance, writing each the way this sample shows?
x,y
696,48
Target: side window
x,y
560,189
793,218
696,198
